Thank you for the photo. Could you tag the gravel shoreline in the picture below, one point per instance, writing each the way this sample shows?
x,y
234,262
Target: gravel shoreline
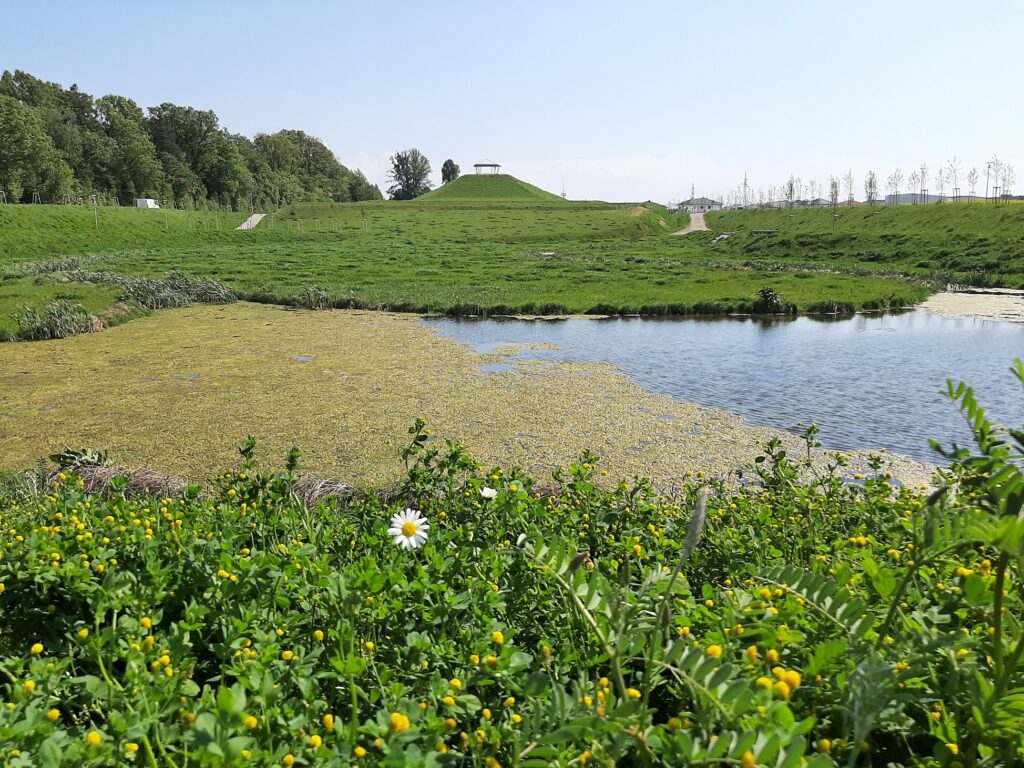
x,y
1002,305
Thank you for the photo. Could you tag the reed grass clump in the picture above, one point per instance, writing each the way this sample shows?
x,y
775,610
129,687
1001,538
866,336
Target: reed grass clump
x,y
57,319
176,290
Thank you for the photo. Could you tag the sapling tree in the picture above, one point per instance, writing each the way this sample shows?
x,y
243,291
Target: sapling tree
x,y
914,185
848,185
940,184
1007,176
894,183
954,170
972,181
870,188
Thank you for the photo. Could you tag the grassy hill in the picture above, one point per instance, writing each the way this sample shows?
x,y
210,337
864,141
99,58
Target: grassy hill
x,y
980,244
535,254
489,187
495,221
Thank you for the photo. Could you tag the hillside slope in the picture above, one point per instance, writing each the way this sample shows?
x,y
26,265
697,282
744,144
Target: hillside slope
x,y
979,244
490,187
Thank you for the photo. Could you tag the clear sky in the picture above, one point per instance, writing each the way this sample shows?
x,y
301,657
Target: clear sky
x,y
624,101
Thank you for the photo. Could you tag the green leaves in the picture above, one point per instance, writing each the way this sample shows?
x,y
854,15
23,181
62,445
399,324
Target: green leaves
x,y
833,603
542,628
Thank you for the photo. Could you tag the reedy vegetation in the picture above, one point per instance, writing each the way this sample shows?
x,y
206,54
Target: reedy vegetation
x,y
797,616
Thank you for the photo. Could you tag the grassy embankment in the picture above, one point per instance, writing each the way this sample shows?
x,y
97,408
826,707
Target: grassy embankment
x,y
980,244
496,245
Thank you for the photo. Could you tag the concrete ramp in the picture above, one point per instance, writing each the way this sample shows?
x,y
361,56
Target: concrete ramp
x,y
252,221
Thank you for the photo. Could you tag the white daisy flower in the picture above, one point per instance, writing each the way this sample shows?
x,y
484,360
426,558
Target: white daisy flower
x,y
488,493
409,529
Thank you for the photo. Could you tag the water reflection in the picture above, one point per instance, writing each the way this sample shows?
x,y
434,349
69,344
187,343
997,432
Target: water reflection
x,y
869,381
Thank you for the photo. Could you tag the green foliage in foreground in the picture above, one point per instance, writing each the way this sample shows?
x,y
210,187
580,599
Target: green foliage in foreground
x,y
785,621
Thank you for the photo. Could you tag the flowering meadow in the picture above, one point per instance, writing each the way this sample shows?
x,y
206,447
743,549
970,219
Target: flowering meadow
x,y
476,617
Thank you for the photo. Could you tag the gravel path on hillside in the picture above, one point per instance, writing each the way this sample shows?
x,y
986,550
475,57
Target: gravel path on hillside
x,y
696,225
252,221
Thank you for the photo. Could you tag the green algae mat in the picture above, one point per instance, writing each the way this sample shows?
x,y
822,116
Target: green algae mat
x,y
177,390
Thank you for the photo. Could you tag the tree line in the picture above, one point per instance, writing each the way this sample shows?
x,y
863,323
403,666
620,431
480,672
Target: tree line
x,y
58,143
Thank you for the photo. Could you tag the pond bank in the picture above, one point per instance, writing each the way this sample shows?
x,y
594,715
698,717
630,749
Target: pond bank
x,y
996,304
176,392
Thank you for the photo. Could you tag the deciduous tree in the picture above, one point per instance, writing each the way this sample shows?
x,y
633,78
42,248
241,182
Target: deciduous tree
x,y
28,159
449,171
409,175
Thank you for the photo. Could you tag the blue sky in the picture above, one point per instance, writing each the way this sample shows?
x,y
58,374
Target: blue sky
x,y
624,101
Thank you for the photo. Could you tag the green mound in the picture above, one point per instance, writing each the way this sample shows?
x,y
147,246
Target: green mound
x,y
498,186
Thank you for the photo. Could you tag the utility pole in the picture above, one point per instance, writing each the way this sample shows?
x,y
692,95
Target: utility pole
x,y
95,212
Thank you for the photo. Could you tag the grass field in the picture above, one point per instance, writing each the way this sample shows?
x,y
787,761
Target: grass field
x,y
497,245
981,244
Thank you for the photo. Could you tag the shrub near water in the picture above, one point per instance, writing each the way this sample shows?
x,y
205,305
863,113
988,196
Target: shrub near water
x,y
539,624
56,319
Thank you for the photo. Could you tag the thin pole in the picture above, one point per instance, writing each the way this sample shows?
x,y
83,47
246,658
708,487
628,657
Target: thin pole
x,y
95,212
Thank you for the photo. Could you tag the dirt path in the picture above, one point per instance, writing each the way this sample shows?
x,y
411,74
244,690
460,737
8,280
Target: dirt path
x,y
696,225
252,221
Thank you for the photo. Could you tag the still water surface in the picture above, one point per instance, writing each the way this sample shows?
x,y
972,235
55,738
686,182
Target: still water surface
x,y
871,381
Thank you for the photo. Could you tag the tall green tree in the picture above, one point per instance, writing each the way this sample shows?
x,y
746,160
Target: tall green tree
x,y
28,160
409,175
70,119
134,169
110,145
449,171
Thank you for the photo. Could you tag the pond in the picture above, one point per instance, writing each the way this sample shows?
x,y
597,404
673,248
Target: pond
x,y
870,381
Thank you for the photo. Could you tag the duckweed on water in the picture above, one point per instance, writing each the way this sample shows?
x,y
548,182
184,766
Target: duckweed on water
x,y
171,391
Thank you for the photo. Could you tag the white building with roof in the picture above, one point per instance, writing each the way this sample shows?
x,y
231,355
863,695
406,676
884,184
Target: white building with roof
x,y
699,205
